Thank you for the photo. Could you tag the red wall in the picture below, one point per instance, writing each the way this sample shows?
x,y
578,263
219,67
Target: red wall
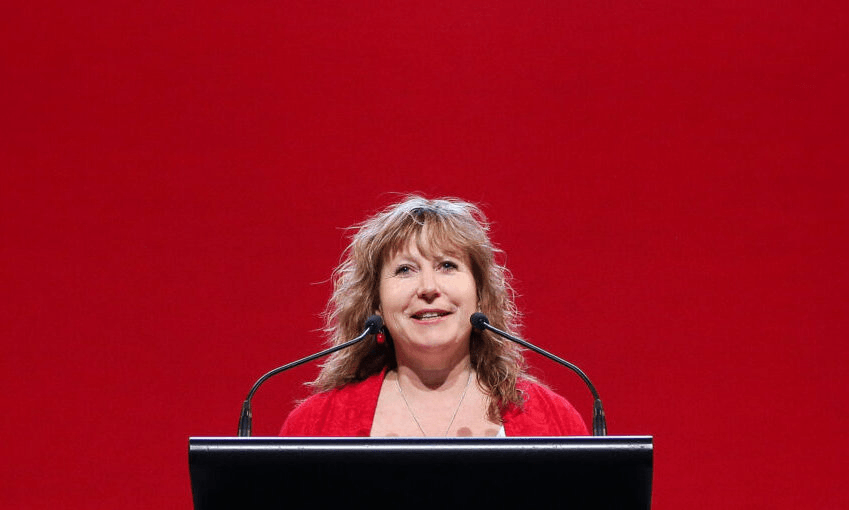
x,y
667,180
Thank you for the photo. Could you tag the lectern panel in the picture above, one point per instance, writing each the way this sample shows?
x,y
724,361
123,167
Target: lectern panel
x,y
555,472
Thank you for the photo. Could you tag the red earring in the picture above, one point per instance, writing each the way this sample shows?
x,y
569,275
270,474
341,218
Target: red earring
x,y
381,338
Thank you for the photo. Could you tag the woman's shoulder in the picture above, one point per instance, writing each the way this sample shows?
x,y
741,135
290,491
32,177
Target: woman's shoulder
x,y
544,413
536,390
338,412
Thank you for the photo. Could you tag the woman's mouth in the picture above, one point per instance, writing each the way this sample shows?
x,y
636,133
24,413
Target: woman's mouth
x,y
429,315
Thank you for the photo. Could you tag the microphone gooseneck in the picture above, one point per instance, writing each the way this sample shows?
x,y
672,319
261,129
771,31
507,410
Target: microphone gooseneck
x,y
481,322
372,326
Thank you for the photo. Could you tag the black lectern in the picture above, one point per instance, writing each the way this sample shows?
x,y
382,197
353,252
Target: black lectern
x,y
533,472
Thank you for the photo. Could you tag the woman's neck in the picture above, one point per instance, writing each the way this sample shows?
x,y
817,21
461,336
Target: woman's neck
x,y
434,376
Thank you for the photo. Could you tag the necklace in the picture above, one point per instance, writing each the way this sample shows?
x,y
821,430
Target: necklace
x,y
419,425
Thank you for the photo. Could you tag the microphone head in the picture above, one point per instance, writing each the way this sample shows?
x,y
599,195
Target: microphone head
x,y
478,320
373,324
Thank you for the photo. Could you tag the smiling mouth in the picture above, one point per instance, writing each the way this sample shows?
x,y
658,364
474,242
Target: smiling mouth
x,y
429,315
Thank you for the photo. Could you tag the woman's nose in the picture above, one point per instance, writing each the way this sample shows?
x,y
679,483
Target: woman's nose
x,y
428,289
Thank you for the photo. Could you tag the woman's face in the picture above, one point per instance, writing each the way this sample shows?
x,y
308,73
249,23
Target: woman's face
x,y
426,300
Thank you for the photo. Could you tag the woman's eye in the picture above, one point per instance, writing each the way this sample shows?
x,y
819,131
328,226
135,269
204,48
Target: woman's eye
x,y
448,265
401,270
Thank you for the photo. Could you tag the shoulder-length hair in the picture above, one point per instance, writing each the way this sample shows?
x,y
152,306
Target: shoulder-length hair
x,y
449,223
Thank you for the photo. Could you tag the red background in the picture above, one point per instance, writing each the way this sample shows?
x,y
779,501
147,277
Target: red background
x,y
666,179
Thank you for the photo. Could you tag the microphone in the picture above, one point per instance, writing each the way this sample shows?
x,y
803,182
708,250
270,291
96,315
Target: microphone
x,y
372,326
481,322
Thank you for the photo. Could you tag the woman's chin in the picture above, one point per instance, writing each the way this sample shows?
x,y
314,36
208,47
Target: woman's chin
x,y
435,346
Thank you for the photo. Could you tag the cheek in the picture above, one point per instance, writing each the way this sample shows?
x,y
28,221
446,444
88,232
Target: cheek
x,y
391,296
471,292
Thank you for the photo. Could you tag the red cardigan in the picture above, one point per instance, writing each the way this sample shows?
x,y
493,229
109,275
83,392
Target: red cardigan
x,y
349,411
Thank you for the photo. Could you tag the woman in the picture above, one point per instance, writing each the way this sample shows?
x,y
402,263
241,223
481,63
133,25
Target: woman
x,y
426,266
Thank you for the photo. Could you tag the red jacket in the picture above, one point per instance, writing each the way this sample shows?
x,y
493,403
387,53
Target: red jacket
x,y
349,411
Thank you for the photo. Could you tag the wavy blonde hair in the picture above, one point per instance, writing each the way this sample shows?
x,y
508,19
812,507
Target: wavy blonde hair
x,y
449,222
